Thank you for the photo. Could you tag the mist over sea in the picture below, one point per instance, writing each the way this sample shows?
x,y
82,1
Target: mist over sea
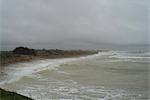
x,y
113,75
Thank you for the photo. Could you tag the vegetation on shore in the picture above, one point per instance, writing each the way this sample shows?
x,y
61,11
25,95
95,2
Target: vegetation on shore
x,y
7,95
21,54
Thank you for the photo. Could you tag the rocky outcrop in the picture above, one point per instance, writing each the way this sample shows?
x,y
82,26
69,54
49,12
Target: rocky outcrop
x,y
24,51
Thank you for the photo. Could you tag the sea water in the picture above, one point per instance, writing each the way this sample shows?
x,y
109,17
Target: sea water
x,y
111,75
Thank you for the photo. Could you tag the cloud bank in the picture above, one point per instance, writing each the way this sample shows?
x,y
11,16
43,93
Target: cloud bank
x,y
74,23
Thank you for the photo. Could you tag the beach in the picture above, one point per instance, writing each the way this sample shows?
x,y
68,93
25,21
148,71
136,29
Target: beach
x,y
111,75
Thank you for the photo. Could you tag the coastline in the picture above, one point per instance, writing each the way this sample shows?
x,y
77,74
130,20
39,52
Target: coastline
x,y
6,94
37,61
7,57
116,67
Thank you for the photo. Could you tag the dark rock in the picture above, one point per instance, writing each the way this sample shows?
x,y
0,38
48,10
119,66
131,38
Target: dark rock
x,y
24,51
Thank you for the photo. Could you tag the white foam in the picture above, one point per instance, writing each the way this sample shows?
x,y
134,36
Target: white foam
x,y
130,56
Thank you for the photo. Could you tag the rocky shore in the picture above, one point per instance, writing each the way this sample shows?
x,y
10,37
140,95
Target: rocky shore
x,y
22,54
7,95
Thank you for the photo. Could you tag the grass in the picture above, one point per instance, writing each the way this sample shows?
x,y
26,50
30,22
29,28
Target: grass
x,y
7,95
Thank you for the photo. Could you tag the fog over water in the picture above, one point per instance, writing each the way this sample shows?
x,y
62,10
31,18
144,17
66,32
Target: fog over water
x,y
73,24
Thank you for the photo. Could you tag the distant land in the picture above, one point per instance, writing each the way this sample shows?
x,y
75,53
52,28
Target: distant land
x,y
22,54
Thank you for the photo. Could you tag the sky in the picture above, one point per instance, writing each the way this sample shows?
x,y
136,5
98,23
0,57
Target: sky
x,y
73,24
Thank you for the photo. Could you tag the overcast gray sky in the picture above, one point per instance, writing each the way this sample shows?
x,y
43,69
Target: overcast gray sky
x,y
74,23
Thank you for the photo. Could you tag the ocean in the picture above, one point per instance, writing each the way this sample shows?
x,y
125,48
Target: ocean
x,y
111,75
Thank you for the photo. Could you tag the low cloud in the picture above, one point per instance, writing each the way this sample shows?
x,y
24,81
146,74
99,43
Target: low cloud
x,y
74,22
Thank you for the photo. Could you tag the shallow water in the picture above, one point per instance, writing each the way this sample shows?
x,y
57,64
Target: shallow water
x,y
113,75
